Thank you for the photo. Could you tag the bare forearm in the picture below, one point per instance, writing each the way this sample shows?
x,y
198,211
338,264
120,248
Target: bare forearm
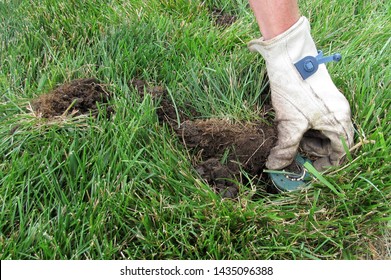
x,y
275,16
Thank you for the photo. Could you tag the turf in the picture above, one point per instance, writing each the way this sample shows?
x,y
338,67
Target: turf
x,y
124,187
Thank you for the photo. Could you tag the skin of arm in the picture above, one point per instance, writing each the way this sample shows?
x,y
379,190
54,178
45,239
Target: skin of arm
x,y
275,16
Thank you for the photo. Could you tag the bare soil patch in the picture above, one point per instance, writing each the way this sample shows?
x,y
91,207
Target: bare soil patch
x,y
222,18
77,97
222,150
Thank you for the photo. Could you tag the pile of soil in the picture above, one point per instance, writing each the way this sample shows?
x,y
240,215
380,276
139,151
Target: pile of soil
x,y
222,149
227,149
77,97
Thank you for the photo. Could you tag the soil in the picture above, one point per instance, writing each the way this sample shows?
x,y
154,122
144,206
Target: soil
x,y
77,97
226,149
221,18
222,150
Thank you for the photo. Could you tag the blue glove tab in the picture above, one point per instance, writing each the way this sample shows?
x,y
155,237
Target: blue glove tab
x,y
309,64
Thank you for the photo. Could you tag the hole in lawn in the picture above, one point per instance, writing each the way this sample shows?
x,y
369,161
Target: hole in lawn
x,y
77,97
221,149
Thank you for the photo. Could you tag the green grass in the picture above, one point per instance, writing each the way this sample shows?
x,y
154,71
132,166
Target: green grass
x,y
125,188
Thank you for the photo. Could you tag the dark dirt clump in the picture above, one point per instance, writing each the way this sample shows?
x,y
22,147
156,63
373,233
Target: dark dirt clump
x,y
221,18
222,149
77,97
227,149
248,144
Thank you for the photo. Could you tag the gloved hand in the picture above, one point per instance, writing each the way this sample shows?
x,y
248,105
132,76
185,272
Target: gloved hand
x,y
303,104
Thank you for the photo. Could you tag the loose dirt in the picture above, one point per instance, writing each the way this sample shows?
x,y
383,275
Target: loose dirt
x,y
226,150
222,150
77,97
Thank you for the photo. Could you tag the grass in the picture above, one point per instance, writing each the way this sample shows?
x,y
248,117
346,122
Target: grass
x,y
125,188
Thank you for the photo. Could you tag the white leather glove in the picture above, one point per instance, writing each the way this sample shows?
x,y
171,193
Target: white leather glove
x,y
306,103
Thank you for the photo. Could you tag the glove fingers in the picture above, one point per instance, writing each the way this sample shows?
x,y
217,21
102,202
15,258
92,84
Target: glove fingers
x,y
336,151
315,143
289,135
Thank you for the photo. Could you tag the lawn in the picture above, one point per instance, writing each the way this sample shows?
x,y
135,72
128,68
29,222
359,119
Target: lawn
x,y
125,187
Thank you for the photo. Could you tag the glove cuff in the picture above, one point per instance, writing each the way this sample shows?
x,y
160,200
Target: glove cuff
x,y
302,21
294,44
